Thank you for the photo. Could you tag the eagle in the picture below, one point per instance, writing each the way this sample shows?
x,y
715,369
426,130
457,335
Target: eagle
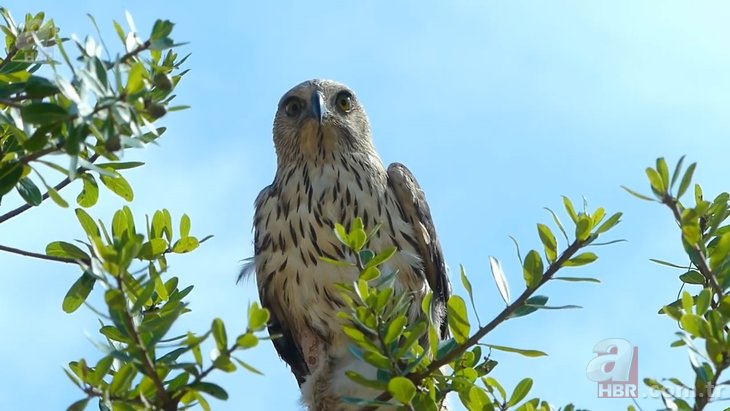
x,y
329,172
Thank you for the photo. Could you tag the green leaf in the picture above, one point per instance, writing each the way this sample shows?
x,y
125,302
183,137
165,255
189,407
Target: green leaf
x,y
66,250
257,317
558,223
119,186
444,347
526,353
79,405
369,274
609,224
78,292
337,262
341,234
677,169
219,334
467,286
570,209
656,181
549,242
532,269
43,113
122,379
687,301
637,195
185,245
120,32
583,227
692,324
184,226
692,277
359,379
703,301
581,259
520,392
478,399
382,257
135,80
490,382
668,264
661,166
87,223
358,238
247,340
161,29
29,191
121,165
40,87
458,319
89,195
9,176
56,197
531,305
578,279
211,389
152,249
113,333
247,366
402,389
499,278
686,180
395,329
414,333
366,256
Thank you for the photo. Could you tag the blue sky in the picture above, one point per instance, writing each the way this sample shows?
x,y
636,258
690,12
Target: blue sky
x,y
499,108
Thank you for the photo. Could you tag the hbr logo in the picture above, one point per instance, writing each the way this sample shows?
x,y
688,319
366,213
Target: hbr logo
x,y
615,368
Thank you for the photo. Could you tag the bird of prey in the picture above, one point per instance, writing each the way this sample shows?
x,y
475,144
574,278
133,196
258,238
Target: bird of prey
x,y
329,172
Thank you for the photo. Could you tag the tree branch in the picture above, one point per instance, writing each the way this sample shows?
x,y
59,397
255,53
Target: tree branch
x,y
142,47
25,207
11,54
500,318
147,364
41,256
701,264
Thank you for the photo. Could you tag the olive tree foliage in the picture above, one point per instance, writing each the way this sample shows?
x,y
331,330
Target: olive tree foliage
x,y
69,108
415,370
702,311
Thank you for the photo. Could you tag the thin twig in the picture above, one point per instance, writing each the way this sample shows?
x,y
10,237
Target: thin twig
x,y
701,264
142,47
205,373
11,54
25,207
149,367
483,331
41,256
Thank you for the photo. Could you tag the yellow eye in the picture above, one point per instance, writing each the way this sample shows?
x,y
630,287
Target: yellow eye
x,y
293,107
344,101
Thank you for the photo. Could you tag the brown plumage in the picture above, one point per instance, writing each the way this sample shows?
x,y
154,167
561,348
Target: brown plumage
x,y
329,172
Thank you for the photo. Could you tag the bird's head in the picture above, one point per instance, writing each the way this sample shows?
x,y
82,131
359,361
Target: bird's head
x,y
319,120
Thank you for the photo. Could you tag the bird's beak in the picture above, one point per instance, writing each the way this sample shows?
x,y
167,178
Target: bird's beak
x,y
318,107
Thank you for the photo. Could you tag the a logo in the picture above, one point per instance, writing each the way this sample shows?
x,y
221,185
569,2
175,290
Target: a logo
x,y
615,368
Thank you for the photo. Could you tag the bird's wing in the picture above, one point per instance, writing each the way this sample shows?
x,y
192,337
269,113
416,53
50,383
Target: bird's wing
x,y
283,339
415,210
279,329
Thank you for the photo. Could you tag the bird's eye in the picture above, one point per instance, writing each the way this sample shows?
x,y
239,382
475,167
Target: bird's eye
x,y
293,107
344,101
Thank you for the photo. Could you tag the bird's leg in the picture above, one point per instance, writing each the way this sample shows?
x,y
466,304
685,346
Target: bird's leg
x,y
310,344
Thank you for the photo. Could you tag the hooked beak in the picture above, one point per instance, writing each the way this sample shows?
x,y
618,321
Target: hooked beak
x,y
318,109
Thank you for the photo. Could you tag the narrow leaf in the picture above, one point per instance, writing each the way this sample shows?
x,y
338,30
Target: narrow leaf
x,y
500,279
